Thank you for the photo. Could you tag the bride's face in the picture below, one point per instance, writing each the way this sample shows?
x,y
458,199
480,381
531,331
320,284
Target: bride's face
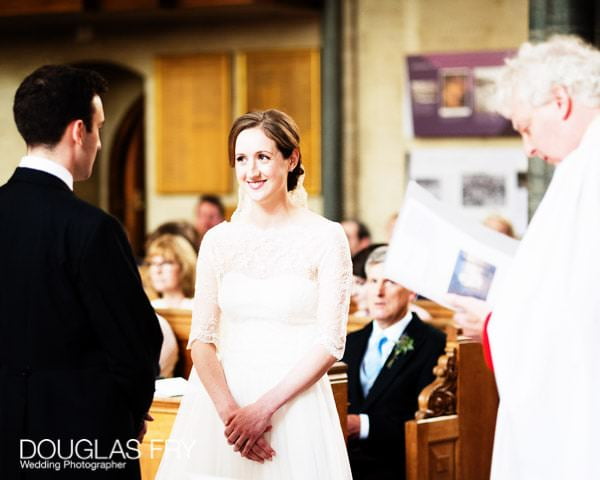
x,y
260,167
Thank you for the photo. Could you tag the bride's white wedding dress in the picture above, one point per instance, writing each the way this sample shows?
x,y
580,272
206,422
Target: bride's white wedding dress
x,y
265,297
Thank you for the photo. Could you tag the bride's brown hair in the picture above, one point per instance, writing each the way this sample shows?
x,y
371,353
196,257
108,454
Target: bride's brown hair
x,y
280,128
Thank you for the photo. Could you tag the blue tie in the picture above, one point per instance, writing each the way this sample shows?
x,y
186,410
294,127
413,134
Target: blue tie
x,y
372,364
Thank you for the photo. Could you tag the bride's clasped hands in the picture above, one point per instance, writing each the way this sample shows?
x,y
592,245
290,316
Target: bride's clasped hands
x,y
245,429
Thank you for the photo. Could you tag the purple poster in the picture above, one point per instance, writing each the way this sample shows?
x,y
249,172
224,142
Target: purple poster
x,y
451,94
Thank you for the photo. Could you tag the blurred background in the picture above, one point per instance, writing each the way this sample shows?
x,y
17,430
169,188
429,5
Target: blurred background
x,y
181,70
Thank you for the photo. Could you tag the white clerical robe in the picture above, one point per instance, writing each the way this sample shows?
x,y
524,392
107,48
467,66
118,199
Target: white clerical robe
x,y
545,333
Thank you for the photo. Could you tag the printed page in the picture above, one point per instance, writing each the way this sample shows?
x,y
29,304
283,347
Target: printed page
x,y
436,250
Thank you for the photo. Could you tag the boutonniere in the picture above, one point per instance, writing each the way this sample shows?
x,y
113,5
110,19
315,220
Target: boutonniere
x,y
402,346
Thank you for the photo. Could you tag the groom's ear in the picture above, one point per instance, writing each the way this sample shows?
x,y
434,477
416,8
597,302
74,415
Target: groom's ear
x,y
294,160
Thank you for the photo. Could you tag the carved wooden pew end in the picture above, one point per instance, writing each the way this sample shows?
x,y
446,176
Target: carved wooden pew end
x,y
451,437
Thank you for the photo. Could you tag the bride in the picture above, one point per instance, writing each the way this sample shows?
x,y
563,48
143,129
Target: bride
x,y
269,320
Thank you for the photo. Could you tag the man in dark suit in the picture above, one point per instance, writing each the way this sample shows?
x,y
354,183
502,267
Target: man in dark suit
x,y
79,341
389,362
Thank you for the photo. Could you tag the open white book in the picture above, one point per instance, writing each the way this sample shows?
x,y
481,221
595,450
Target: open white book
x,y
437,250
170,387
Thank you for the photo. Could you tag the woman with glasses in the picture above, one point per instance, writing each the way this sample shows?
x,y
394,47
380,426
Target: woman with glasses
x,y
171,263
170,268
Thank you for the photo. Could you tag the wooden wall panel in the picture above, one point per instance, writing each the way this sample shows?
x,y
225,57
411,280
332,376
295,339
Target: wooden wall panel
x,y
288,80
193,117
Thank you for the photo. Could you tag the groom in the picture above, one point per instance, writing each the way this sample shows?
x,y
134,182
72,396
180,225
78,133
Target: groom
x,y
80,342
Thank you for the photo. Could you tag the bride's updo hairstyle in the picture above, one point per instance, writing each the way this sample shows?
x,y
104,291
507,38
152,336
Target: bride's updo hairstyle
x,y
277,126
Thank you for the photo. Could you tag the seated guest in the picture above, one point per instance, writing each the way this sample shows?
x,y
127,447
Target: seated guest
x,y
358,235
389,362
358,298
171,263
176,227
500,224
209,212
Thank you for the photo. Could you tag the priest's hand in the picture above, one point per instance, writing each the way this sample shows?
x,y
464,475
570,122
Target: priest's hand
x,y
470,314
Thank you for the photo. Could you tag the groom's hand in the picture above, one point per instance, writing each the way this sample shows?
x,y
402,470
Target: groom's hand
x,y
144,428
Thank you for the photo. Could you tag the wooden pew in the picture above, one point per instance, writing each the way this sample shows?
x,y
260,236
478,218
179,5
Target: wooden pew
x,y
181,323
441,317
338,377
356,322
452,435
164,410
432,448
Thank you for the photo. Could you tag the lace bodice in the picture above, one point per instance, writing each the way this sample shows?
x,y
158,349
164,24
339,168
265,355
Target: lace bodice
x,y
299,274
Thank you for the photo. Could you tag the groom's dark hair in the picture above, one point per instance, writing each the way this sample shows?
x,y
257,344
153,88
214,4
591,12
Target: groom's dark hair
x,y
280,128
52,97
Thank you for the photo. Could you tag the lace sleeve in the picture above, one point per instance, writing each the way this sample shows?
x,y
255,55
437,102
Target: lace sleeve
x,y
206,312
335,281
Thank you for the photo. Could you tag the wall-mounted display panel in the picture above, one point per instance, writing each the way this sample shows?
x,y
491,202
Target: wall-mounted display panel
x,y
451,94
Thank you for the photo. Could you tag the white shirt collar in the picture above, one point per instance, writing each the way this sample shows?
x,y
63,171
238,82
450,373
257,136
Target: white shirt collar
x,y
44,165
393,332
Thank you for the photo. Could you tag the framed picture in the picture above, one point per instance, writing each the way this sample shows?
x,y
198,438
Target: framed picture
x,y
472,276
456,93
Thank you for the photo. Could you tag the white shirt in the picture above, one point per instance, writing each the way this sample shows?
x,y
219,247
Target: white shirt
x,y
393,333
184,304
44,165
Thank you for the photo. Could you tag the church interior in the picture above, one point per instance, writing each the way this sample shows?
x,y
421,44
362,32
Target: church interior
x,y
180,71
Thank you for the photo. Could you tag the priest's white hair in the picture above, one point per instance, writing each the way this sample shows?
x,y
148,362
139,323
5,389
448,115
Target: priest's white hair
x,y
562,60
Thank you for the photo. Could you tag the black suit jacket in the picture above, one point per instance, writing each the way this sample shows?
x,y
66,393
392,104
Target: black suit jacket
x,y
391,401
79,341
